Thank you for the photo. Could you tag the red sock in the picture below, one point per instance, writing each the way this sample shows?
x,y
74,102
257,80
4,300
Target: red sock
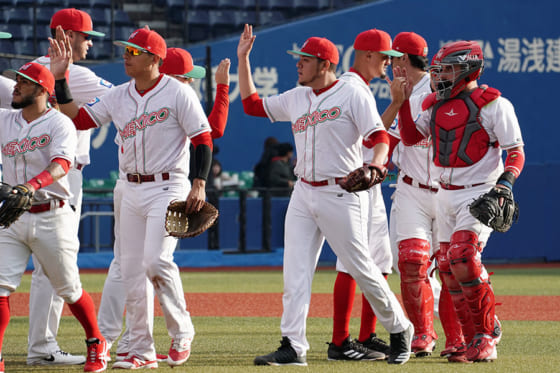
x,y
84,310
343,300
367,325
4,317
368,321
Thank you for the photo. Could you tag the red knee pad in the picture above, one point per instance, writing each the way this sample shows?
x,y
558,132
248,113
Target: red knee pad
x,y
463,256
414,256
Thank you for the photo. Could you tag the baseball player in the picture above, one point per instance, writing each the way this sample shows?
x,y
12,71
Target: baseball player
x,y
329,117
156,116
413,209
369,347
179,64
470,126
38,146
45,307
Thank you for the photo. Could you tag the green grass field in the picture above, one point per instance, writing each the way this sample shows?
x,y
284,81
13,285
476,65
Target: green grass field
x,y
229,344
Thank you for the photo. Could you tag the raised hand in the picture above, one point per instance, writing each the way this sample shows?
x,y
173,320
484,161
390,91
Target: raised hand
x,y
245,42
222,72
60,53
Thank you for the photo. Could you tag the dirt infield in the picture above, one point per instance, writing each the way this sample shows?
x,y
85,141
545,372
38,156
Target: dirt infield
x,y
537,308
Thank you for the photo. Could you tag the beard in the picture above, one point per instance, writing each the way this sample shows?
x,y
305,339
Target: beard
x,y
25,102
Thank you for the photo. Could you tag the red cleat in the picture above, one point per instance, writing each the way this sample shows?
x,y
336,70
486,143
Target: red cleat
x,y
179,351
96,360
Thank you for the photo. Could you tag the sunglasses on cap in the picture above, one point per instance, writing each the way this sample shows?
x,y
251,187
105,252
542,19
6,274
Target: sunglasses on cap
x,y
133,51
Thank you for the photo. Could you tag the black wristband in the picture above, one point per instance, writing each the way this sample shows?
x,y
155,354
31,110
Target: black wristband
x,y
507,179
63,95
203,161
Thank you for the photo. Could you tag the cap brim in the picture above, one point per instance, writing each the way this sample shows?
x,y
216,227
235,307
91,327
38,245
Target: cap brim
x,y
11,74
392,53
94,33
123,43
5,35
198,72
300,53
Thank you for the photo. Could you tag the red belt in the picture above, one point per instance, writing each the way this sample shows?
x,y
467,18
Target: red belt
x,y
458,187
337,180
138,178
408,180
42,207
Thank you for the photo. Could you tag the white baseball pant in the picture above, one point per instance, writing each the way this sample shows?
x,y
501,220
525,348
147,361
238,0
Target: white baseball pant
x,y
143,239
45,307
316,213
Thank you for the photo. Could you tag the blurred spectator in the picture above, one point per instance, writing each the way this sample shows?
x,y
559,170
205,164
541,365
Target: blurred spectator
x,y
261,169
281,172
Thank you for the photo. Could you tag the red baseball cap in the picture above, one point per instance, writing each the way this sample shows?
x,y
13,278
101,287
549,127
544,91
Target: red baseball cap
x,y
376,41
410,43
35,72
147,41
179,62
75,20
321,48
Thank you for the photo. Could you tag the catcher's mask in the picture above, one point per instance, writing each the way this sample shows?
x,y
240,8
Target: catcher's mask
x,y
454,65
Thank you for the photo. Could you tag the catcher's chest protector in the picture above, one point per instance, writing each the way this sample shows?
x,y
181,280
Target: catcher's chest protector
x,y
458,136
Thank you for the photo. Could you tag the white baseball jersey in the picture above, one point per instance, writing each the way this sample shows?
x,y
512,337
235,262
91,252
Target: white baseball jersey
x,y
28,148
84,86
328,128
500,122
416,161
6,90
352,77
171,106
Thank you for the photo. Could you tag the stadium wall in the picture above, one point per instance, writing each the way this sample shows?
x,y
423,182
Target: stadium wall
x,y
521,44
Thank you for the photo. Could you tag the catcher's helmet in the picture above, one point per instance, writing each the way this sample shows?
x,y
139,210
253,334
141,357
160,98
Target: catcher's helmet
x,y
466,62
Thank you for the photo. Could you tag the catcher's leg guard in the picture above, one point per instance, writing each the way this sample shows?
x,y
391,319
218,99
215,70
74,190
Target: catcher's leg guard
x,y
461,308
466,266
417,295
447,315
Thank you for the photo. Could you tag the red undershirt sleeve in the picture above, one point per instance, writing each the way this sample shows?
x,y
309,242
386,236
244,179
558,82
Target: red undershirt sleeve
x,y
219,115
253,105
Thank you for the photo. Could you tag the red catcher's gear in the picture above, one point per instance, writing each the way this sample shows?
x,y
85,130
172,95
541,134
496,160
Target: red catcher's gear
x,y
468,270
417,295
463,59
459,138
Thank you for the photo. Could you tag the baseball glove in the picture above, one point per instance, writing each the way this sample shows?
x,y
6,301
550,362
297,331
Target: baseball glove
x,y
14,201
363,178
182,225
490,211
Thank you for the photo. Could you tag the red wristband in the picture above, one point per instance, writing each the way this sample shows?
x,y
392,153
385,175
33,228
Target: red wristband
x,y
514,162
42,180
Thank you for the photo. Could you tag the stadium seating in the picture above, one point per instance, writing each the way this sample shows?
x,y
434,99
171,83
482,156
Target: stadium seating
x,y
237,4
203,4
198,25
222,22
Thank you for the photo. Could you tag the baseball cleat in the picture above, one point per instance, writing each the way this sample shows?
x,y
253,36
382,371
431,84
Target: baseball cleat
x,y
123,355
482,348
2,365
285,355
350,350
497,332
179,351
96,360
400,346
376,344
459,355
134,362
58,358
423,345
